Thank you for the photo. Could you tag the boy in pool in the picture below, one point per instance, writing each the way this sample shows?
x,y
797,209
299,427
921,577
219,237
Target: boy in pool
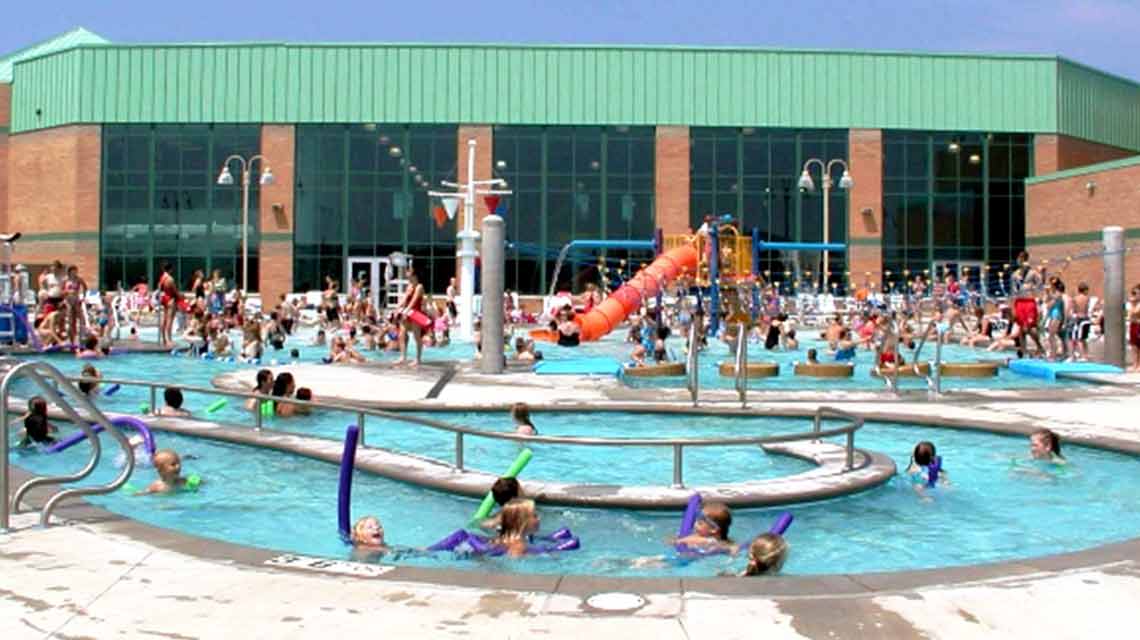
x,y
710,531
169,467
919,470
172,396
503,491
368,534
1045,444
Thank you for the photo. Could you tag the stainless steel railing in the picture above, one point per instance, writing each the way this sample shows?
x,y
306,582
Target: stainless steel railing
x,y
461,432
692,364
741,372
40,373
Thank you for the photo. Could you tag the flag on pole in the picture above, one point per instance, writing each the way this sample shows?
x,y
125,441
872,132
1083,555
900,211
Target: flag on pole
x,y
451,205
492,202
440,215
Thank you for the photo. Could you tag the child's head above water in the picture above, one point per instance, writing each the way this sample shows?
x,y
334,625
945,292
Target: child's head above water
x,y
368,532
924,454
504,490
1044,444
167,464
37,406
714,521
519,518
173,397
766,554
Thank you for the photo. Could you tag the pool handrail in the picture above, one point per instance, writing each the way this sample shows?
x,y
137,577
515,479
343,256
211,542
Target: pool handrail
x,y
39,372
692,376
854,423
741,372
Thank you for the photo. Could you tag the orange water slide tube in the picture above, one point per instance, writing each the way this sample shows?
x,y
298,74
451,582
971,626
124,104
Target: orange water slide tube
x,y
605,317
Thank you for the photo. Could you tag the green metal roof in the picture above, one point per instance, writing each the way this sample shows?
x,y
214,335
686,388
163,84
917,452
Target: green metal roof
x,y
517,84
75,37
1085,170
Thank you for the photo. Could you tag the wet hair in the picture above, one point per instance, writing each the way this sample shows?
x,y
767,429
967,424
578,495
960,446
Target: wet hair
x,y
719,514
1052,438
294,353
37,405
304,393
173,397
1083,287
924,454
766,554
521,413
263,376
812,354
505,489
91,343
281,384
515,517
89,371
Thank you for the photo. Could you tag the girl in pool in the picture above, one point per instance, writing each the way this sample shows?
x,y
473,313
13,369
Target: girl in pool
x,y
1045,444
710,531
766,555
264,386
518,520
368,535
925,463
520,413
89,371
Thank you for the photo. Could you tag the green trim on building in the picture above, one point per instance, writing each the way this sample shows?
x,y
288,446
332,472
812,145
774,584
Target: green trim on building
x,y
1085,170
1082,237
61,236
76,37
277,236
864,242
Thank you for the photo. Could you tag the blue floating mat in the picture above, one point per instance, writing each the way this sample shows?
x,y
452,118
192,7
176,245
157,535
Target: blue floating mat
x,y
579,367
1050,370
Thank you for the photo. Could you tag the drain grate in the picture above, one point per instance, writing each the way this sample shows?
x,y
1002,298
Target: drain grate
x,y
615,601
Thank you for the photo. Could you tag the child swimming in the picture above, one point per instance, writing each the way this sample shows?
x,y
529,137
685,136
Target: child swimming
x,y
710,531
766,555
85,387
520,413
169,467
1045,444
368,534
502,491
172,396
37,429
925,468
518,520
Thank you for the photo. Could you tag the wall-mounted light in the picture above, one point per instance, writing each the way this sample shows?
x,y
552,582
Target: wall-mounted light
x,y
500,164
1090,186
954,147
868,211
975,158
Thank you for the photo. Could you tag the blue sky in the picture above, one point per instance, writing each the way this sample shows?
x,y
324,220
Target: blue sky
x,y
1100,33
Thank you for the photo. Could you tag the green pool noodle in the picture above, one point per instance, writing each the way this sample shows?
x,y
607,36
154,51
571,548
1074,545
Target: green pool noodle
x,y
129,488
217,404
267,409
144,408
193,481
516,467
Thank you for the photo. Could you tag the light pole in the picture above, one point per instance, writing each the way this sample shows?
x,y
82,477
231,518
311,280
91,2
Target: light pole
x,y
467,252
807,184
225,178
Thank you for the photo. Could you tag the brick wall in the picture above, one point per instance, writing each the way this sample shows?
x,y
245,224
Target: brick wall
x,y
671,182
484,148
275,273
54,196
1065,218
865,204
1054,152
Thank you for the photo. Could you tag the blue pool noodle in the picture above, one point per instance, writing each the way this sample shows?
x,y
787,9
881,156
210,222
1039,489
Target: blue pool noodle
x,y
344,488
692,510
121,421
112,390
782,523
932,472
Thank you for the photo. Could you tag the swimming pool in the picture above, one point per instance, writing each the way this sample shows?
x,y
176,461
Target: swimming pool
x,y
994,510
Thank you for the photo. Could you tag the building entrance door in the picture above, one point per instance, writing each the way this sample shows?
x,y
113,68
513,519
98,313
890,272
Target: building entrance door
x,y
969,273
370,274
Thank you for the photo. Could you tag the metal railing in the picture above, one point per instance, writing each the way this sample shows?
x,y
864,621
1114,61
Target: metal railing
x,y
741,372
461,432
692,373
40,373
934,379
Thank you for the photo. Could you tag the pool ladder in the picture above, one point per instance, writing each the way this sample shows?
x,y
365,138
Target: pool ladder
x,y
692,377
54,386
741,372
934,379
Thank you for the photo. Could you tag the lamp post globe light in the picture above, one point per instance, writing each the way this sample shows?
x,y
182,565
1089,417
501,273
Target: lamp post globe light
x,y
225,178
846,182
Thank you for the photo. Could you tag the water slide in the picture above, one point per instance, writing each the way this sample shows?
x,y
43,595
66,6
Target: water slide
x,y
667,267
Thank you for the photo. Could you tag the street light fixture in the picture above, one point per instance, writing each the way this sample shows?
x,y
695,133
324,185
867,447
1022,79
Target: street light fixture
x,y
807,184
225,179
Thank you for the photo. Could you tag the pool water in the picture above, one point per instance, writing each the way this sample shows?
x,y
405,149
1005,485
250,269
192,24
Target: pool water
x,y
992,510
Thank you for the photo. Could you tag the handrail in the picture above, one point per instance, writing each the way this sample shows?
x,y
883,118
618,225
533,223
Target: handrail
x,y
934,379
461,431
36,371
692,377
742,366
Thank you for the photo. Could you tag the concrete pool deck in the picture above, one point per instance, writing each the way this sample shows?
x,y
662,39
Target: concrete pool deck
x,y
104,575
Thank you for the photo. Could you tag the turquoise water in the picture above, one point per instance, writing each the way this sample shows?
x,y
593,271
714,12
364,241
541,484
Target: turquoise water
x,y
992,511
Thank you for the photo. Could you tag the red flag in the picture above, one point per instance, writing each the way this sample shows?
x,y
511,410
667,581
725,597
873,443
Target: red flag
x,y
440,215
492,202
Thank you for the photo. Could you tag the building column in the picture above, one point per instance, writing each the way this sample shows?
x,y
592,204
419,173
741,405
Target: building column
x,y
276,214
1057,152
865,205
671,179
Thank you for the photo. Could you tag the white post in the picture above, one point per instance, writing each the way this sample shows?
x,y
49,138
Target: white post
x,y
467,252
245,229
826,225
493,267
1114,333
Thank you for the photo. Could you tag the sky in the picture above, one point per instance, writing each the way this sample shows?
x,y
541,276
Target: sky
x,y
1099,33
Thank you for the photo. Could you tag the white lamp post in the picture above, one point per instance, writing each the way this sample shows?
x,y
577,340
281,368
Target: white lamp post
x,y
806,183
225,178
467,237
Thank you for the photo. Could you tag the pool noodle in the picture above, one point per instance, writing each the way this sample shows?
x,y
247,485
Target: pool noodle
x,y
267,409
782,523
516,467
692,510
344,488
112,390
121,421
217,404
933,471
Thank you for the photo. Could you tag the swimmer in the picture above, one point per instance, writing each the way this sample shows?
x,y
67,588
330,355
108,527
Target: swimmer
x,y
263,387
305,394
320,340
766,555
520,413
172,397
1045,444
923,456
169,467
85,387
710,531
518,520
502,491
812,356
37,429
90,350
368,534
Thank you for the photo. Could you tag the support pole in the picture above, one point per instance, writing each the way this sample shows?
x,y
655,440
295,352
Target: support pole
x,y
1114,349
493,267
714,281
755,273
467,251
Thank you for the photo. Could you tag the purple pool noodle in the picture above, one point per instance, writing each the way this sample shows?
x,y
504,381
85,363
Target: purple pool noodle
x,y
70,441
932,472
781,524
692,510
456,538
112,390
344,488
121,421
